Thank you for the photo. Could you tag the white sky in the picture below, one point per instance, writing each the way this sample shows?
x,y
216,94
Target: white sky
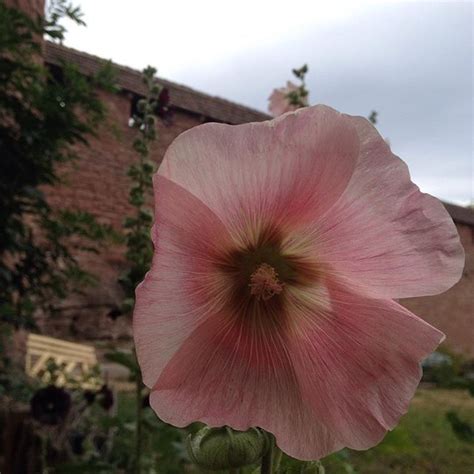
x,y
410,60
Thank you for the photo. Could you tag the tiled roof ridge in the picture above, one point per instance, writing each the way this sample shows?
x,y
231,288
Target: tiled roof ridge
x,y
182,96
460,214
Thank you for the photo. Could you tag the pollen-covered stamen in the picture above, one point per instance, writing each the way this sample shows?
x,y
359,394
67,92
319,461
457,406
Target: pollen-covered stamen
x,y
264,282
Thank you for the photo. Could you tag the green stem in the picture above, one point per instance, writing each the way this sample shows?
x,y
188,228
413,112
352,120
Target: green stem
x,y
138,426
277,458
267,460
44,454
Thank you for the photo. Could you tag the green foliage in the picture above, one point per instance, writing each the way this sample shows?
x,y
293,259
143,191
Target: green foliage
x,y
15,384
162,446
56,374
301,72
139,247
449,371
125,359
422,443
293,466
139,254
463,430
43,114
56,11
84,440
373,117
299,97
463,377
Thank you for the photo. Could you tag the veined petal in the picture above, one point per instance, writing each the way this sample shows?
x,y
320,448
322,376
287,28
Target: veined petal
x,y
385,237
340,377
180,290
358,364
293,167
226,374
277,246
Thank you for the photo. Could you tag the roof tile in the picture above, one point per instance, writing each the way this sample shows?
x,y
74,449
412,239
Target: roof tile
x,y
181,96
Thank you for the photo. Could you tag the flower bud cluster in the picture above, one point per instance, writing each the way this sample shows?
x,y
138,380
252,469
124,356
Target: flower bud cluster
x,y
225,448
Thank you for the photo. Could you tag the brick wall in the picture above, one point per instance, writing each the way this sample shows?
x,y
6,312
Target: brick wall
x,y
98,183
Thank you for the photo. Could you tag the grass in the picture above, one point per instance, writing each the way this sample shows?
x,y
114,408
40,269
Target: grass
x,y
423,442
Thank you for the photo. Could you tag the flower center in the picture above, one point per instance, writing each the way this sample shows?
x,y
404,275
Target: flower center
x,y
264,282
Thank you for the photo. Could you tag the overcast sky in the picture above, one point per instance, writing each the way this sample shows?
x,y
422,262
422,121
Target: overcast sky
x,y
409,60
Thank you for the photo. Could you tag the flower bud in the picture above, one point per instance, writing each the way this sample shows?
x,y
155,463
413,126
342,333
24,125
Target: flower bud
x,y
142,106
225,448
150,120
156,89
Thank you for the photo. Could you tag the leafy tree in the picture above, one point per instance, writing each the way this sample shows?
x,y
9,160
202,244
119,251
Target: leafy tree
x,y
44,113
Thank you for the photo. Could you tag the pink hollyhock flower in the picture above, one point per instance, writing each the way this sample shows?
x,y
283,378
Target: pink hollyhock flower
x,y
279,102
279,248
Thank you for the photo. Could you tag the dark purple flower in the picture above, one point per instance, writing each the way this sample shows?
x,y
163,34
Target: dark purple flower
x,y
89,396
162,108
105,397
50,405
76,441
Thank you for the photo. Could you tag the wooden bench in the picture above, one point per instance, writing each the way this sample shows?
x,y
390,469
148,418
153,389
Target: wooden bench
x,y
76,360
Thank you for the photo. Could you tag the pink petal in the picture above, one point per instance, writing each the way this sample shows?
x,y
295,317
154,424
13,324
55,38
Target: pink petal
x,y
294,167
279,103
224,375
384,236
178,292
358,365
341,378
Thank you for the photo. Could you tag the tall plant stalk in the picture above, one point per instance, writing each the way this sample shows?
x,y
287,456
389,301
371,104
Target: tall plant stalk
x,y
138,425
267,465
139,248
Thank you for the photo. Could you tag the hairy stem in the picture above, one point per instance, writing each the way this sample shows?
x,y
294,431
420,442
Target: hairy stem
x,y
44,454
267,460
277,458
138,426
